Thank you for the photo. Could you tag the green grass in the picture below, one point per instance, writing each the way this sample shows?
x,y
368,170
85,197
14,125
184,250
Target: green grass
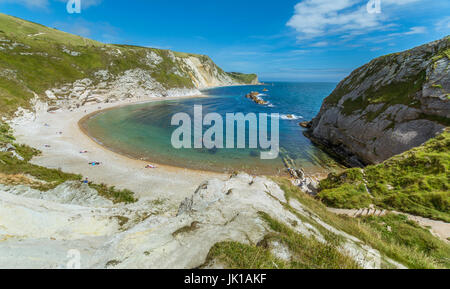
x,y
243,78
397,229
111,193
49,66
404,244
394,236
11,168
242,256
396,92
307,253
347,196
10,165
5,134
415,182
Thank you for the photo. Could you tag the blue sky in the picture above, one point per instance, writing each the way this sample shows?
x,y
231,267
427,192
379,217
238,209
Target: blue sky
x,y
293,40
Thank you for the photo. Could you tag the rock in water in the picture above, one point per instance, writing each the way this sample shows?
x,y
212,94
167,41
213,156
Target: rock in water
x,y
305,124
388,106
255,96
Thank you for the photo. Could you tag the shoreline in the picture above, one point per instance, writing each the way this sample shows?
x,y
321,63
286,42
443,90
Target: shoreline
x,y
172,184
84,131
118,169
312,172
169,183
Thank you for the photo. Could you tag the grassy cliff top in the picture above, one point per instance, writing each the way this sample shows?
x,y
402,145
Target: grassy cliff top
x,y
396,78
394,236
35,58
415,182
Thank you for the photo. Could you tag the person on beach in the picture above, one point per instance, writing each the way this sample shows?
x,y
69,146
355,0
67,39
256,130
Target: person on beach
x,y
86,181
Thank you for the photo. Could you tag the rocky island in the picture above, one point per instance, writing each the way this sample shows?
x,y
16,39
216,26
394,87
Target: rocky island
x,y
256,97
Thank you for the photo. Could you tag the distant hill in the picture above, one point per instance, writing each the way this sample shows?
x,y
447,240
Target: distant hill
x,y
40,61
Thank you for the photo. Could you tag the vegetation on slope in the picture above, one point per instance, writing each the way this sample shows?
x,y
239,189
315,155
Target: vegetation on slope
x,y
415,182
35,58
14,171
307,253
243,78
402,91
38,58
394,236
369,230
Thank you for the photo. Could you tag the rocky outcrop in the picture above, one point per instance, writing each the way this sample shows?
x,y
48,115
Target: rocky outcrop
x,y
11,149
388,106
148,235
256,98
139,84
305,124
71,193
79,71
306,183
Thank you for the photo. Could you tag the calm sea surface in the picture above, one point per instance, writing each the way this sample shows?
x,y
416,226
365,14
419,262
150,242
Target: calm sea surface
x,y
144,131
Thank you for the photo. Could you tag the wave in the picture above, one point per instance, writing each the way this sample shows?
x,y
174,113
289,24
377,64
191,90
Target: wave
x,y
290,117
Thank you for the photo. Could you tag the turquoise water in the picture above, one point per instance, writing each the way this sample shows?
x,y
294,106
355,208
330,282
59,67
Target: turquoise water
x,y
144,131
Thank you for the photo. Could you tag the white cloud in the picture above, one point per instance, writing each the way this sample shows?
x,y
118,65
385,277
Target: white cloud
x,y
42,4
86,3
416,30
320,44
398,2
28,3
101,31
319,18
443,24
315,18
89,3
411,31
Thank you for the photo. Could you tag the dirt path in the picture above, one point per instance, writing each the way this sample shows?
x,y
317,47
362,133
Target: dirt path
x,y
439,229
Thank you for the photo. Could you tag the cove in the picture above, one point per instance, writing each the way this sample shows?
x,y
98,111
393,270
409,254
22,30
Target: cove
x,y
144,131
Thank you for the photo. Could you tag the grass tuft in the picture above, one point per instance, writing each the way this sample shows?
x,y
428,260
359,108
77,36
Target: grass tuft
x,y
415,182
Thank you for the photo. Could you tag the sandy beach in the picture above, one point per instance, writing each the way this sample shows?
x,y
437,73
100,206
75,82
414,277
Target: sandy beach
x,y
60,138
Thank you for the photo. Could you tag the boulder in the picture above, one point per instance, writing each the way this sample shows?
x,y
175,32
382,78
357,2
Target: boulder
x,y
305,124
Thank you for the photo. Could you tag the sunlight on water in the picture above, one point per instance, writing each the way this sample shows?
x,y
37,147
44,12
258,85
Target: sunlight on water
x,y
143,131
